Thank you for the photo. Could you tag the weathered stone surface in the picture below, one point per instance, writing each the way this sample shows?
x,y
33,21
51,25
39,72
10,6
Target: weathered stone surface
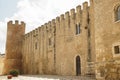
x,y
15,35
2,57
90,33
106,34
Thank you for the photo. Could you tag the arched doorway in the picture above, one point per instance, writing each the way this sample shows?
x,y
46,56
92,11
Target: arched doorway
x,y
78,66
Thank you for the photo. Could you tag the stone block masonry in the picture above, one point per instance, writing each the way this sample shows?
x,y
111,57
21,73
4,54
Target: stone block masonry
x,y
82,41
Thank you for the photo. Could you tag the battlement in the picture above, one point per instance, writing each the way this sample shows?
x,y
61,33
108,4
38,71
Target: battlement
x,y
16,22
72,11
53,22
85,5
57,19
61,16
73,14
78,8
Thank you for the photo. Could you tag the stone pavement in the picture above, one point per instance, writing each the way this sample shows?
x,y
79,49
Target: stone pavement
x,y
47,77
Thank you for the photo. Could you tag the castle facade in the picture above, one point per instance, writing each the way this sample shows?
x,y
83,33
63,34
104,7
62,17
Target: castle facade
x,y
80,42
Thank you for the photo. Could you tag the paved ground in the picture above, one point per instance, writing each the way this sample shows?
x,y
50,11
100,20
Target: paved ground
x,y
47,77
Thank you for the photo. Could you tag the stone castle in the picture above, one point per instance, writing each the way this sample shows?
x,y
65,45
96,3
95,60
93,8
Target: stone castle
x,y
80,42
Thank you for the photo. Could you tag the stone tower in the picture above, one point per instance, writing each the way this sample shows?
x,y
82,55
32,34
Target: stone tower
x,y
107,36
15,33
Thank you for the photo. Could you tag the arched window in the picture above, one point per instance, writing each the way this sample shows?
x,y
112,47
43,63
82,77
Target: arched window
x,y
78,65
117,13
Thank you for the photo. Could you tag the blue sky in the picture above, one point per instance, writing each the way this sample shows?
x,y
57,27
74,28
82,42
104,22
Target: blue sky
x,y
33,12
7,7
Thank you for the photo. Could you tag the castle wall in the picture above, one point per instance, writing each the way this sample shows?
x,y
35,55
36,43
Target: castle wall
x,y
53,47
106,34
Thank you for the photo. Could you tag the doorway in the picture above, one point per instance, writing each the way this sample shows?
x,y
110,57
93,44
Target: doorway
x,y
78,66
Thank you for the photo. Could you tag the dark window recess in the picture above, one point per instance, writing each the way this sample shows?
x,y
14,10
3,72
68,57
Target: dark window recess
x,y
118,13
88,19
116,49
85,27
78,66
36,45
77,29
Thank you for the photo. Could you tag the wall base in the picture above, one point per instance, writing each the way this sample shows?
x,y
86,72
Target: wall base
x,y
11,64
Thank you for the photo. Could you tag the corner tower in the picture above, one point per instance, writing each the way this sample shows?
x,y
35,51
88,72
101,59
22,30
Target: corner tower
x,y
15,33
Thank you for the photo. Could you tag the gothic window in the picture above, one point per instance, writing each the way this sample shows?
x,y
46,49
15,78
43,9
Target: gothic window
x,y
117,13
77,29
117,49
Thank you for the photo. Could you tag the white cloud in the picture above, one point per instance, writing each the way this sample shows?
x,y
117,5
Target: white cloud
x,y
3,30
37,12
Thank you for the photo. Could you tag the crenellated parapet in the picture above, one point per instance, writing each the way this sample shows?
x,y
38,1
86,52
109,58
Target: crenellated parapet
x,y
72,13
78,9
85,5
63,21
16,23
85,15
65,24
67,16
67,20
78,14
16,28
49,26
57,20
47,38
53,24
61,17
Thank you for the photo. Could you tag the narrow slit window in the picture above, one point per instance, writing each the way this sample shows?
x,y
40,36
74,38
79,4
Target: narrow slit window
x,y
77,29
36,45
50,42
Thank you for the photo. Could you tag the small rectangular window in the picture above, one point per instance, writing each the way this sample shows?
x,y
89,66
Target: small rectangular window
x,y
116,49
